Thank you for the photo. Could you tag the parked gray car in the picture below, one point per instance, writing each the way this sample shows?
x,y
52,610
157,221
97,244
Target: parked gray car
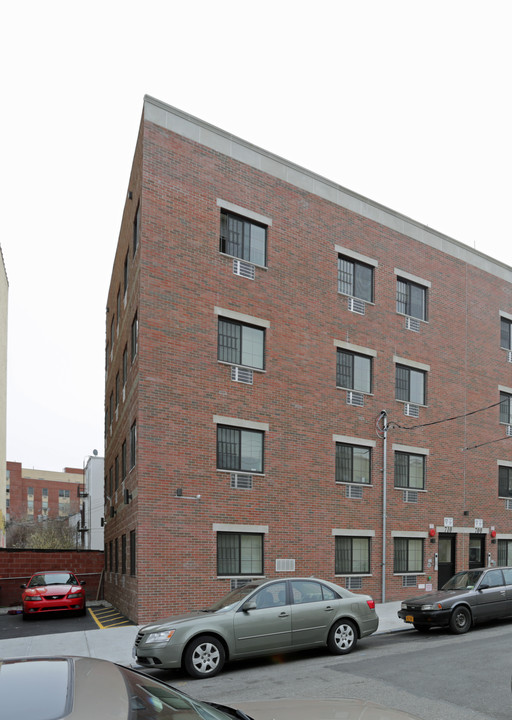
x,y
260,618
469,597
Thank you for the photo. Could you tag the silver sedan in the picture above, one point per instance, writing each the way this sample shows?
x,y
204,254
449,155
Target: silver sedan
x,y
260,618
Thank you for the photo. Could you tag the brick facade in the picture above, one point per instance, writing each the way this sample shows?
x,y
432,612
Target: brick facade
x,y
46,487
178,393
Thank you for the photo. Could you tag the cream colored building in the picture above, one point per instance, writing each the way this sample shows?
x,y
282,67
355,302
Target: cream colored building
x,y
4,291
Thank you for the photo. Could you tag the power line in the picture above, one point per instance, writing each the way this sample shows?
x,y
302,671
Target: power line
x,y
449,419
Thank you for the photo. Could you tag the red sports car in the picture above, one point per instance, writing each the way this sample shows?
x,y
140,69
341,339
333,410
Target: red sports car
x,y
53,592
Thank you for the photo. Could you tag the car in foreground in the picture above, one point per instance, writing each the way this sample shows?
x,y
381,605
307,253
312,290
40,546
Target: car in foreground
x,y
260,618
81,688
469,597
53,591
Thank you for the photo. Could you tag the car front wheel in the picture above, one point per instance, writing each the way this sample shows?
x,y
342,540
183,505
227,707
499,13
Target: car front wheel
x,y
342,637
204,657
460,621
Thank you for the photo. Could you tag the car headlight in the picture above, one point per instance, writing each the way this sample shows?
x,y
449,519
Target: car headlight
x,y
32,598
427,607
162,636
74,595
404,606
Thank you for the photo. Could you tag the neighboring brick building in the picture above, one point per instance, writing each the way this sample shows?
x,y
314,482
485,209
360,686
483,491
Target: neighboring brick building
x,y
38,494
250,381
4,294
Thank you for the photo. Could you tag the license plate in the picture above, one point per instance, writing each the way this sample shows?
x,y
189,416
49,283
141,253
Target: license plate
x,y
409,618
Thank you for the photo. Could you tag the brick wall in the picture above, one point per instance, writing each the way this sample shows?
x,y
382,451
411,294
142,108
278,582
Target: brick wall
x,y
16,567
176,385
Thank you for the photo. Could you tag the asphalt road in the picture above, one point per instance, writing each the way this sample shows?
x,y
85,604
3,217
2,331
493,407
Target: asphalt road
x,y
438,676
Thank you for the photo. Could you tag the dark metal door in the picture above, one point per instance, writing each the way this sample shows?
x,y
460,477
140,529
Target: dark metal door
x,y
446,559
476,551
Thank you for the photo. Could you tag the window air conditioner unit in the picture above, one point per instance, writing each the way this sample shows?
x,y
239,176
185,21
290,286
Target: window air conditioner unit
x,y
509,430
354,583
242,375
241,481
356,305
509,356
409,581
355,398
285,565
412,324
410,496
411,410
355,492
244,269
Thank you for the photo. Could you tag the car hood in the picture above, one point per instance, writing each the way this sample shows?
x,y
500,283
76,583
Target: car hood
x,y
434,597
328,709
51,590
175,620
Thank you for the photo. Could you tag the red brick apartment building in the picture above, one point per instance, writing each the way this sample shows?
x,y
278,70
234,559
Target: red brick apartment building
x,y
37,494
299,380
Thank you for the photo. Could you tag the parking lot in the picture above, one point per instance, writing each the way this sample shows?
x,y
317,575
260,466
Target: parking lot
x,y
96,618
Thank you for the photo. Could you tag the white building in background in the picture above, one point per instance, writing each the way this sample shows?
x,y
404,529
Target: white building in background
x,y
4,291
93,503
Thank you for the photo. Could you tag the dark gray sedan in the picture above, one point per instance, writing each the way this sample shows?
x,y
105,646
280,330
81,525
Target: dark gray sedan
x,y
469,597
260,618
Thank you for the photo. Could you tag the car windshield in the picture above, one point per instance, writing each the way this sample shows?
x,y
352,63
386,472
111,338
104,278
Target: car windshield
x,y
149,699
52,579
231,599
465,580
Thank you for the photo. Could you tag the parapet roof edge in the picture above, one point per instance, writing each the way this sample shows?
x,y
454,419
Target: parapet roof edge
x,y
224,142
4,266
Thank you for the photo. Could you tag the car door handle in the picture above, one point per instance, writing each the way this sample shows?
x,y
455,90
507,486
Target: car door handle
x,y
329,608
283,614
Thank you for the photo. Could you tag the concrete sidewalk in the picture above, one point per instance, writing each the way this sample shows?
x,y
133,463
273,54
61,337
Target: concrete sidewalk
x,y
116,644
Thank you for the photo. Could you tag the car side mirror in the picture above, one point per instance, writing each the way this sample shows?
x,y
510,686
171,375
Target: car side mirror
x,y
483,586
23,586
82,582
249,605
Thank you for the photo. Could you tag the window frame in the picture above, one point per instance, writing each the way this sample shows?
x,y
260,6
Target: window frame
x,y
504,478
401,367
409,455
242,325
342,352
240,572
409,570
338,464
133,444
133,553
358,267
248,251
505,408
134,337
505,323
242,431
340,569
405,306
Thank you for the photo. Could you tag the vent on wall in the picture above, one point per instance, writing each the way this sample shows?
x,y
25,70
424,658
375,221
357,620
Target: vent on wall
x,y
355,398
509,430
411,410
241,481
238,583
356,306
242,375
508,503
285,565
412,324
244,269
509,356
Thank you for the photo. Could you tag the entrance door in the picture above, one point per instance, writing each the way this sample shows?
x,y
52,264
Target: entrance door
x,y
476,551
446,559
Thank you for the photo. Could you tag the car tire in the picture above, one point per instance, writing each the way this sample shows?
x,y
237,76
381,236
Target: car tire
x,y
460,620
421,628
204,657
342,637
26,616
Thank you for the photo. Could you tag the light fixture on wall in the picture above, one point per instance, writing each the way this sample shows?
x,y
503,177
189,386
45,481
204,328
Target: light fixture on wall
x,y
179,494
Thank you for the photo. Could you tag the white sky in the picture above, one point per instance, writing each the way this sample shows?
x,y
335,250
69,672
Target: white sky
x,y
406,102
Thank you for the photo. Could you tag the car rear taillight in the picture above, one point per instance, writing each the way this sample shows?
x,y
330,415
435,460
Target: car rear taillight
x,y
371,604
